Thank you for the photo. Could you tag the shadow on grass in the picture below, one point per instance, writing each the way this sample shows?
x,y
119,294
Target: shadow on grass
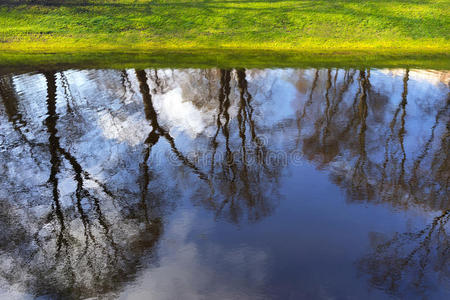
x,y
410,26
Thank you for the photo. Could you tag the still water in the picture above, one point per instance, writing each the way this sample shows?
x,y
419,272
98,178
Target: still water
x,y
225,184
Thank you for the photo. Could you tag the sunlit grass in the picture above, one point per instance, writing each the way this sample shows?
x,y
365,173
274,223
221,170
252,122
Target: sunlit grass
x,y
398,27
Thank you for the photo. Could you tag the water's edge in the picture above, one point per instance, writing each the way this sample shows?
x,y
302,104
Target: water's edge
x,y
19,62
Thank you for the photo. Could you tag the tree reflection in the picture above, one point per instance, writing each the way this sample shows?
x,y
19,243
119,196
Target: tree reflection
x,y
353,136
75,228
246,179
79,249
157,130
413,261
243,179
84,236
239,183
11,104
355,133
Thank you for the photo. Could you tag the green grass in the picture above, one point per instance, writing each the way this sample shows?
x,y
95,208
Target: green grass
x,y
407,30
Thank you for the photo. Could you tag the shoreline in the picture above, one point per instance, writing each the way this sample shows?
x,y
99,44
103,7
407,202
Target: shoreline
x,y
13,61
225,33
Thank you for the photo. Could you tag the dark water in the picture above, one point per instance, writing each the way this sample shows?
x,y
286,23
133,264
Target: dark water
x,y
225,184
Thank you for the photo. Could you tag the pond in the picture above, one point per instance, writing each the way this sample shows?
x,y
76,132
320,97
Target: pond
x,y
225,184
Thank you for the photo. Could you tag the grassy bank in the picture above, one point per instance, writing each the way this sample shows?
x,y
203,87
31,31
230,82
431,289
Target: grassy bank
x,y
25,62
374,28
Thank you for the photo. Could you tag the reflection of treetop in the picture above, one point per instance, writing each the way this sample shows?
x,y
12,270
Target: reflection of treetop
x,y
411,262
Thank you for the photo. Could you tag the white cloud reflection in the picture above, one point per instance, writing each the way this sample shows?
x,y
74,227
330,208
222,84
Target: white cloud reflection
x,y
190,267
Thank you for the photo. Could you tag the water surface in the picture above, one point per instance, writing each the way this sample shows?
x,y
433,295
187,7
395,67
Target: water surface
x,y
225,184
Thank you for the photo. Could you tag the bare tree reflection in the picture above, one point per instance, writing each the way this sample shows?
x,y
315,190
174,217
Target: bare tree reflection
x,y
157,130
413,261
351,133
76,234
76,250
11,104
347,134
244,179
344,134
239,182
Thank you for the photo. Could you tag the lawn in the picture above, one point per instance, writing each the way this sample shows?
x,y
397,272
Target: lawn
x,y
307,27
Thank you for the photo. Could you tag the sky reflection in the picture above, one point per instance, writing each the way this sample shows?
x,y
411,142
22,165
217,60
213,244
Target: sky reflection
x,y
233,184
